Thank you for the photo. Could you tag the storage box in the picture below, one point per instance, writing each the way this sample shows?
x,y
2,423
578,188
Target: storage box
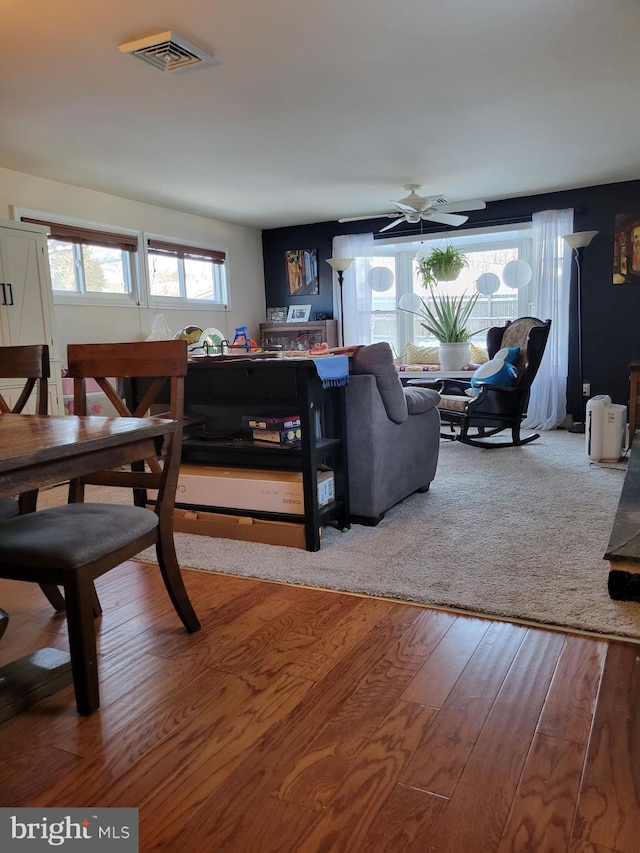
x,y
97,401
248,488
247,529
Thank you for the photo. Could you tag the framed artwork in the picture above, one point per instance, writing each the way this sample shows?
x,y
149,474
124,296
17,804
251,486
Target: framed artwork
x,y
626,249
302,272
299,313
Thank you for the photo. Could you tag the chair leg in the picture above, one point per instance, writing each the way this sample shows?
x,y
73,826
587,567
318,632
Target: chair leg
x,y
168,562
82,644
54,596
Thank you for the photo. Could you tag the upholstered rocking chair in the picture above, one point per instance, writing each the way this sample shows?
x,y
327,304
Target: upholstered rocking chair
x,y
475,419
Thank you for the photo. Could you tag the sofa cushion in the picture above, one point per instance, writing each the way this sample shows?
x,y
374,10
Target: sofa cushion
x,y
377,359
420,400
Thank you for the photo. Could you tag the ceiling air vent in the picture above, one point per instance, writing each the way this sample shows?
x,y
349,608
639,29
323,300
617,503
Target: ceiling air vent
x,y
166,51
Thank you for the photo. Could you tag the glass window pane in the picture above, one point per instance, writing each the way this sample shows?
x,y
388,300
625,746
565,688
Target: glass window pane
x,y
104,270
493,310
63,267
198,279
164,278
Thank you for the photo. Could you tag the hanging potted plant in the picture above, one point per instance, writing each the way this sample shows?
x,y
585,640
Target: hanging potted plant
x,y
442,265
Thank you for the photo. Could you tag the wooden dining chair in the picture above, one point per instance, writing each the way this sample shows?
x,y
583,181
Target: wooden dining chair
x,y
73,544
28,367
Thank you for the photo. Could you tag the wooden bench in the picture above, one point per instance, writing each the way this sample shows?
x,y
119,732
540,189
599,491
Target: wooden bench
x,y
623,550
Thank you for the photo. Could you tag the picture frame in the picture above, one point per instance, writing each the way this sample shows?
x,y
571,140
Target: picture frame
x,y
298,313
626,249
302,272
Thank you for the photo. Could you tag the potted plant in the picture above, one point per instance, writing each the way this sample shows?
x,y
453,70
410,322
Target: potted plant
x,y
446,317
442,265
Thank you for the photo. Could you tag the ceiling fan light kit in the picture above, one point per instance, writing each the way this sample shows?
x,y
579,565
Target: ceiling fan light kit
x,y
414,208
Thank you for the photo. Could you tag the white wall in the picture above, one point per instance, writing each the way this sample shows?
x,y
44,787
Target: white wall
x,y
75,324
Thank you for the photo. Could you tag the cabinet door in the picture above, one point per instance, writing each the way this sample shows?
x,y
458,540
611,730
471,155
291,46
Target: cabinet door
x,y
25,298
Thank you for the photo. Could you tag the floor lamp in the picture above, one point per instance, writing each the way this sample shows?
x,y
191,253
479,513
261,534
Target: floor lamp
x,y
339,265
579,241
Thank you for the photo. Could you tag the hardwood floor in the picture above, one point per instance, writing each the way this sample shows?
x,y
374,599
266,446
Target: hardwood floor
x,y
304,720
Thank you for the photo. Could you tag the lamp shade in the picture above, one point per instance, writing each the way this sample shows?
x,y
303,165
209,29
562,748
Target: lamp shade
x,y
517,274
488,283
340,264
579,239
410,302
380,279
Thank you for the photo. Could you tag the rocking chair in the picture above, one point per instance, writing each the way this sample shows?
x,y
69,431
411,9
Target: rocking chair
x,y
497,407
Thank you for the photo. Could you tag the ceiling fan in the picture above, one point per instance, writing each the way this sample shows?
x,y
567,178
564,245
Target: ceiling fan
x,y
413,208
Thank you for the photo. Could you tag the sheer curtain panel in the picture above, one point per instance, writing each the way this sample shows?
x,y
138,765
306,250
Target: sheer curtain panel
x,y
552,275
356,291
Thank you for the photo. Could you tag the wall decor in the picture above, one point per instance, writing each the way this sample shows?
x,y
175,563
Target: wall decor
x,y
626,249
299,313
302,272
277,315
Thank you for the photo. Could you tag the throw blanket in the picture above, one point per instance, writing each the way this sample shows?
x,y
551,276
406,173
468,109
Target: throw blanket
x,y
333,370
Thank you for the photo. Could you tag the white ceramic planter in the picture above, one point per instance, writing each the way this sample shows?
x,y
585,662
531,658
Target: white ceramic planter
x,y
454,356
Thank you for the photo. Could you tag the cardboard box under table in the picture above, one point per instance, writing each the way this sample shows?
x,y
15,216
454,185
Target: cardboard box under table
x,y
247,489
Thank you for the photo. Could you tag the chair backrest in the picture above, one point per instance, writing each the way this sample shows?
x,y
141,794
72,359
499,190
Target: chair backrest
x,y
163,363
530,335
31,364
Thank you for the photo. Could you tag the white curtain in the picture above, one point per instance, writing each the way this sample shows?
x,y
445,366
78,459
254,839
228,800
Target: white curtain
x,y
356,290
551,261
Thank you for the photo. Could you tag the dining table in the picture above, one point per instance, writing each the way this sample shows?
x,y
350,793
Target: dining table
x,y
45,450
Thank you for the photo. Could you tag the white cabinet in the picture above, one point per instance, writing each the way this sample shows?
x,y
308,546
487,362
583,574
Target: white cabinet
x,y
26,299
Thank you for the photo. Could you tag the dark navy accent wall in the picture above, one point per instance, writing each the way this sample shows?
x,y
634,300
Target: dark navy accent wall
x,y
611,313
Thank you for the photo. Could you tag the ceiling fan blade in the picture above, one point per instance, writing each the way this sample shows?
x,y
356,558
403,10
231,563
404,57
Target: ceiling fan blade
x,y
393,224
455,206
370,216
404,208
445,218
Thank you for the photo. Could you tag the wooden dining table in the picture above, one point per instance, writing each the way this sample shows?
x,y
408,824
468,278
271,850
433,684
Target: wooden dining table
x,y
44,450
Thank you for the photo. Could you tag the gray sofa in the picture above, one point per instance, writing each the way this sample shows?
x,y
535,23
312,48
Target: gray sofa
x,y
393,435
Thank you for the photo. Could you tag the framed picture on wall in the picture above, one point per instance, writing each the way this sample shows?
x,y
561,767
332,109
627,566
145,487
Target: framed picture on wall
x,y
302,272
299,313
626,249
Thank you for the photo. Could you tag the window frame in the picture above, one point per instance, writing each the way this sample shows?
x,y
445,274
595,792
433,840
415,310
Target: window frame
x,y
187,247
138,265
404,250
133,299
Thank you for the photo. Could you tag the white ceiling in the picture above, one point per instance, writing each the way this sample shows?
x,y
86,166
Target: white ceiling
x,y
317,109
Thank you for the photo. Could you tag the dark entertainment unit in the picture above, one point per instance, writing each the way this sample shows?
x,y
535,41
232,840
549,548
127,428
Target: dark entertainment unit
x,y
219,391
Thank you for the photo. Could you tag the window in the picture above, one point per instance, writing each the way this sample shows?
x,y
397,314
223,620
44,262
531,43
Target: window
x,y
103,266
190,273
91,264
391,270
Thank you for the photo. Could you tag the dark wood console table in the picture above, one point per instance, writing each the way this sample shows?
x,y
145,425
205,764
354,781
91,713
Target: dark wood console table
x,y
219,390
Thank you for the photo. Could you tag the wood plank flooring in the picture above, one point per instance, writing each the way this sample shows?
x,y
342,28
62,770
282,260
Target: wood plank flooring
x,y
299,720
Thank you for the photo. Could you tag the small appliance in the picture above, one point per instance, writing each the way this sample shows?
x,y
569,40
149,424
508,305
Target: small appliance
x,y
605,429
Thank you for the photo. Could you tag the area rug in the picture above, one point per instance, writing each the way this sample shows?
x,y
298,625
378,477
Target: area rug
x,y
516,533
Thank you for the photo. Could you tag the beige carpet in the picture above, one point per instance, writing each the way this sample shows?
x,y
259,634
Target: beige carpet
x,y
516,533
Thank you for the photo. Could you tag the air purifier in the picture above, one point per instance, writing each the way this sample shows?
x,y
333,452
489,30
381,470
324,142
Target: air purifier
x,y
605,429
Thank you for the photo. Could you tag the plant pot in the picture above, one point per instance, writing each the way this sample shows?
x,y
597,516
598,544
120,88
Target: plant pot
x,y
448,275
455,356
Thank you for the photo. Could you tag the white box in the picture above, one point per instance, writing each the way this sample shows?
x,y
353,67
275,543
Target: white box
x,y
248,488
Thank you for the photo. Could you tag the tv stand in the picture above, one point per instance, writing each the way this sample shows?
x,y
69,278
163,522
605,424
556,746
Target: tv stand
x,y
219,391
